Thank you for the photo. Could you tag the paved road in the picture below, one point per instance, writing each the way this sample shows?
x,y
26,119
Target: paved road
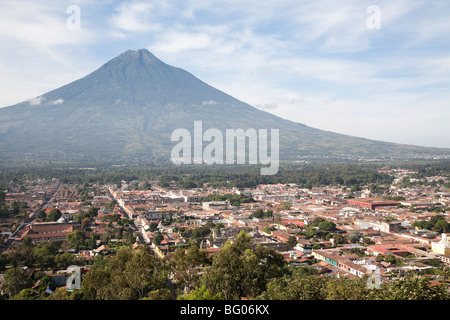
x,y
138,228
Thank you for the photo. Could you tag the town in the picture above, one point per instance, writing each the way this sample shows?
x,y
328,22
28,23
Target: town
x,y
335,231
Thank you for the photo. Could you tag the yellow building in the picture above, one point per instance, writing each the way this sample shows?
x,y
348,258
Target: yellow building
x,y
442,247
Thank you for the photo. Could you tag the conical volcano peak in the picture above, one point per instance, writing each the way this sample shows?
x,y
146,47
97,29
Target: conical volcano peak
x,y
142,56
141,53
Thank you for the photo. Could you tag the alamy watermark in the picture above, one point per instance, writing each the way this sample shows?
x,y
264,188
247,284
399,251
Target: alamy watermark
x,y
374,281
74,281
235,147
74,20
374,20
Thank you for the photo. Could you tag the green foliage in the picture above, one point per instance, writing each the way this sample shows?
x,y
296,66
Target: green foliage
x,y
16,279
127,276
239,271
394,260
91,213
201,293
13,210
327,226
355,236
234,199
77,240
159,294
26,294
292,241
153,227
45,254
436,223
64,260
53,215
442,226
339,238
110,205
313,287
296,287
186,264
46,281
286,205
260,214
196,233
411,287
317,221
305,176
158,237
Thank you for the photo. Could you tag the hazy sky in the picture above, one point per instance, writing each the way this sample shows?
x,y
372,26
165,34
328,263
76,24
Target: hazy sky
x,y
373,69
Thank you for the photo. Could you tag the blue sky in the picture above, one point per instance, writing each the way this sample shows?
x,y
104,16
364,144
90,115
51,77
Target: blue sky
x,y
322,63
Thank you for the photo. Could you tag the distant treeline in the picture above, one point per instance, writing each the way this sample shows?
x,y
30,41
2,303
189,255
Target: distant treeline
x,y
240,176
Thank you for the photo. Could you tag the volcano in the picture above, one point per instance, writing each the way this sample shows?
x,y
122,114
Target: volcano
x,y
128,108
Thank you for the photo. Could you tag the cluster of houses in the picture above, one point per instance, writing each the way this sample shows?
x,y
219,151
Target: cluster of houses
x,y
168,218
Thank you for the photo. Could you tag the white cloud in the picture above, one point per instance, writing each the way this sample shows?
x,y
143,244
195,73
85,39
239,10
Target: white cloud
x,y
56,102
176,42
36,101
209,102
134,17
39,24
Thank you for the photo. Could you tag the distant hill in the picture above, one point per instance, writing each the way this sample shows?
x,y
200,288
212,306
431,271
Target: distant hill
x,y
128,108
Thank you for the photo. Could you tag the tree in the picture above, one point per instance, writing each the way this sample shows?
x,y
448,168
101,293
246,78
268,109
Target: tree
x,y
309,232
153,226
412,287
144,273
77,239
219,225
239,271
41,214
45,254
185,263
355,236
64,260
347,289
260,265
442,226
201,293
26,294
296,287
226,273
160,294
46,281
110,205
95,284
393,259
53,215
327,226
27,252
3,262
16,280
339,238
286,205
86,222
157,238
292,241
317,221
